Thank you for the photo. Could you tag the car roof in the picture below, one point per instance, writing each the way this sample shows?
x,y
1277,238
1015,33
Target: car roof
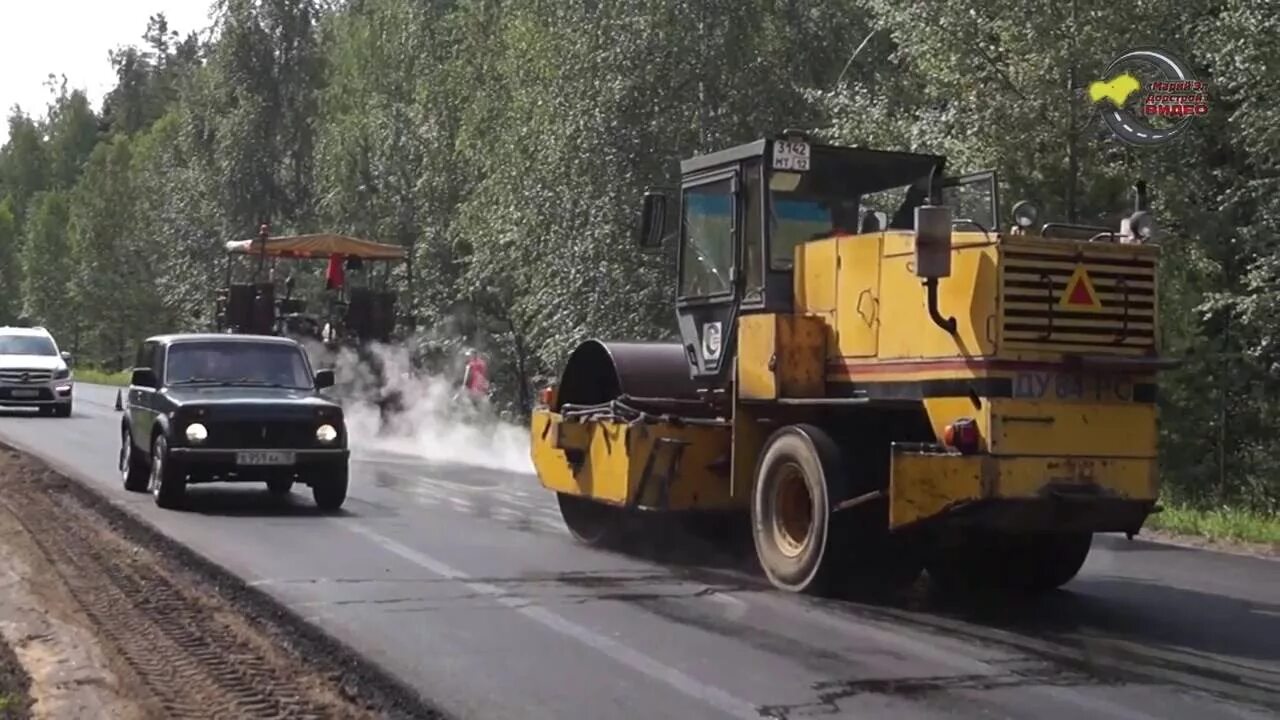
x,y
24,331
227,338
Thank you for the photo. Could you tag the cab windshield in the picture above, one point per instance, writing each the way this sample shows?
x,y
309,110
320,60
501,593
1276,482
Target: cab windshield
x,y
237,363
27,345
845,191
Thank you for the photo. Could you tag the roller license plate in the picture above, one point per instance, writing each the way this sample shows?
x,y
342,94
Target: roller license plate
x,y
264,458
1100,387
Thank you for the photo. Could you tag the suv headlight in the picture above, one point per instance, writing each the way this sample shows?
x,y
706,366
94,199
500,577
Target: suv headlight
x,y
197,433
62,374
326,433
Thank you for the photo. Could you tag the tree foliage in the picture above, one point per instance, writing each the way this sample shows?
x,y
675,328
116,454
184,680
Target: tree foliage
x,y
505,144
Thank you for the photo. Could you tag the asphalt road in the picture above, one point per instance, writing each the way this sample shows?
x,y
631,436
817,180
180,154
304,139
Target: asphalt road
x,y
462,582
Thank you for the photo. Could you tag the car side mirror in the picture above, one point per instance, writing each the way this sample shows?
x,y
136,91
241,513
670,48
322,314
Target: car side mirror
x,y
324,379
653,220
933,242
66,357
143,377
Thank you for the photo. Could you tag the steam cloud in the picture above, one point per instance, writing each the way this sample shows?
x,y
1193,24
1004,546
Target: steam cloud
x,y
431,424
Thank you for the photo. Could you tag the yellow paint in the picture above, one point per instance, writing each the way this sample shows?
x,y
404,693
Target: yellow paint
x,y
926,485
1036,427
906,330
781,356
756,344
857,322
615,456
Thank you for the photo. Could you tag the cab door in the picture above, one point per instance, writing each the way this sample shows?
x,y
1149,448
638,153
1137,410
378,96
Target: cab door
x,y
708,270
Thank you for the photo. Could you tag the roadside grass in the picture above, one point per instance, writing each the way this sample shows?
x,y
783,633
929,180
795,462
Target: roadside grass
x,y
1224,523
101,377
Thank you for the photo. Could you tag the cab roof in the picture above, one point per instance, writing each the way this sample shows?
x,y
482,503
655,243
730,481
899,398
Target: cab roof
x,y
875,160
317,246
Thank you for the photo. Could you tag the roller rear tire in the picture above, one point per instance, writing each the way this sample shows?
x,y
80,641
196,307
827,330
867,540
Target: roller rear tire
x,y
1025,563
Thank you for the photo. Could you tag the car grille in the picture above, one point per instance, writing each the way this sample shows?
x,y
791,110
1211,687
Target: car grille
x,y
1122,321
41,394
13,376
246,434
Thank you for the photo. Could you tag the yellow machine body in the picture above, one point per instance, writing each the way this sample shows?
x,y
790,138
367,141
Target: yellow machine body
x,y
1047,358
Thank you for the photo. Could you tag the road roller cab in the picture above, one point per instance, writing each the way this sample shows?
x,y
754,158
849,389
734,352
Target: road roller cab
x,y
874,373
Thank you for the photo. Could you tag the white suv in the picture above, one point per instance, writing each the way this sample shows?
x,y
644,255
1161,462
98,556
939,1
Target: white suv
x,y
32,371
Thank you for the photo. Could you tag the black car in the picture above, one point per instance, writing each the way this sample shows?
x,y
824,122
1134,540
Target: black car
x,y
231,408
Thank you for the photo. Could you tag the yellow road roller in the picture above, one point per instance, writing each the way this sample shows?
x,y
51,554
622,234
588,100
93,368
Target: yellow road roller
x,y
877,375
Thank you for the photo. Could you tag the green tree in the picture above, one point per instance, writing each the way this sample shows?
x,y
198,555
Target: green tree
x,y
47,266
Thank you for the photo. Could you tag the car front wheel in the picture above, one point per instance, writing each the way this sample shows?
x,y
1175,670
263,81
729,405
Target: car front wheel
x,y
133,467
167,483
330,490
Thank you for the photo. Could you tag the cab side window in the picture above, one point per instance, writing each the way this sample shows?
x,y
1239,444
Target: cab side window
x,y
157,361
706,252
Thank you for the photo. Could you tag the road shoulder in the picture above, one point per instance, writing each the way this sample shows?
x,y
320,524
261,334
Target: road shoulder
x,y
110,619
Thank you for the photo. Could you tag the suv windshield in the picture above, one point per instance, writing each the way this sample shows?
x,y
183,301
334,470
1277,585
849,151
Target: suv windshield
x,y
237,363
26,345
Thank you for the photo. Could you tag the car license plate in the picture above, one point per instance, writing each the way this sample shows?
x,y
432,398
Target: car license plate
x,y
264,458
24,393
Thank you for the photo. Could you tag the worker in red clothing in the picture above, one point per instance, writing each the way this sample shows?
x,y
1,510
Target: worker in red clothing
x,y
475,378
475,385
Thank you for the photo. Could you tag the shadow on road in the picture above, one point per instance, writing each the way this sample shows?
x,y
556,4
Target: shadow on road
x,y
229,501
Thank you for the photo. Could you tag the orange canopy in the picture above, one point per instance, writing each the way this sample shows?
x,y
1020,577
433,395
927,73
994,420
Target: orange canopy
x,y
322,245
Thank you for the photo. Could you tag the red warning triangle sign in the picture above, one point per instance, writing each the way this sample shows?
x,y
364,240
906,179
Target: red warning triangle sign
x,y
1080,294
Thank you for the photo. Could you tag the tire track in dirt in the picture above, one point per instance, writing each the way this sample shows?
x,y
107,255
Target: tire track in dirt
x,y
200,653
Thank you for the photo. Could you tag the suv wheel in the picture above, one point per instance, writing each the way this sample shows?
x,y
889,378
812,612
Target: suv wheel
x,y
167,483
62,410
280,486
133,467
330,489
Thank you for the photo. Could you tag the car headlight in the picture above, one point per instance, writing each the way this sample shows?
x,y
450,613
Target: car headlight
x,y
62,374
197,433
326,433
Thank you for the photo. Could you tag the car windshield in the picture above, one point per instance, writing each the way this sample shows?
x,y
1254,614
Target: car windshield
x,y
237,363
26,345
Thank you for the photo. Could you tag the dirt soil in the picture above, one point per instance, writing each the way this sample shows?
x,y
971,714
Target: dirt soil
x,y
106,618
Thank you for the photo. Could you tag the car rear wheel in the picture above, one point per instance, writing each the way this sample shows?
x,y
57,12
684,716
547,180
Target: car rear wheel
x,y
167,482
133,467
330,491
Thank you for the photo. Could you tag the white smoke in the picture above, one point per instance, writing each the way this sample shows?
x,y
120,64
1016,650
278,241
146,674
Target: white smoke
x,y
435,421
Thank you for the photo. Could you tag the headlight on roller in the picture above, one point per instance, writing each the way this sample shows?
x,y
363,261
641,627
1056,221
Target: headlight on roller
x,y
197,433
326,434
